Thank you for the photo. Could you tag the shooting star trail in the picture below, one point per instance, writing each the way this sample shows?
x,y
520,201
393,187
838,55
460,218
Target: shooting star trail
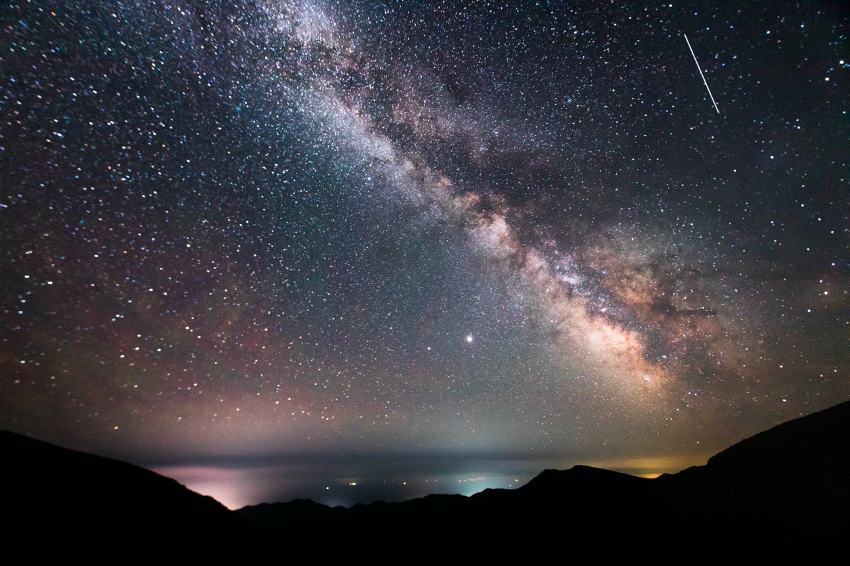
x,y
700,74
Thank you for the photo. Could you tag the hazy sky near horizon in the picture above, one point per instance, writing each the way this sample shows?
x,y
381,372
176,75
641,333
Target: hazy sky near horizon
x,y
275,232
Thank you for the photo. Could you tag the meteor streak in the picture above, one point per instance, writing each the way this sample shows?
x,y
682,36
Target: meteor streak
x,y
700,74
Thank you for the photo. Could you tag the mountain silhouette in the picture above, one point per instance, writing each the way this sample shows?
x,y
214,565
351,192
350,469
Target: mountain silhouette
x,y
810,453
69,503
782,494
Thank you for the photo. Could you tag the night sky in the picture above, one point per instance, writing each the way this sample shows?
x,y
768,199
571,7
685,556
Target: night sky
x,y
368,242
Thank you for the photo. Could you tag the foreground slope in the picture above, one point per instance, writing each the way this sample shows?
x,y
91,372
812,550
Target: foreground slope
x,y
786,489
79,501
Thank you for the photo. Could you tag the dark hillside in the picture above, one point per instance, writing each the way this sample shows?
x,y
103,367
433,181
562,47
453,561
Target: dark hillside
x,y
77,500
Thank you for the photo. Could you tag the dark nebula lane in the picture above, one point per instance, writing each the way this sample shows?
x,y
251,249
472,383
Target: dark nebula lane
x,y
306,235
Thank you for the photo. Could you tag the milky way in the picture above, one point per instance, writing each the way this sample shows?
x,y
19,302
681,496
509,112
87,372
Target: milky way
x,y
279,229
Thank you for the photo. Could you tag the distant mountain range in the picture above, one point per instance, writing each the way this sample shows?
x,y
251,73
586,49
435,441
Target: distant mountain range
x,y
783,493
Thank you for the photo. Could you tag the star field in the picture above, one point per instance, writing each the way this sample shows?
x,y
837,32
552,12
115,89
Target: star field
x,y
276,229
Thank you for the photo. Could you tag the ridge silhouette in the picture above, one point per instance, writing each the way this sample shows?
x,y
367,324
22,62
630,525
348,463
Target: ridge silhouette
x,y
783,493
104,507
